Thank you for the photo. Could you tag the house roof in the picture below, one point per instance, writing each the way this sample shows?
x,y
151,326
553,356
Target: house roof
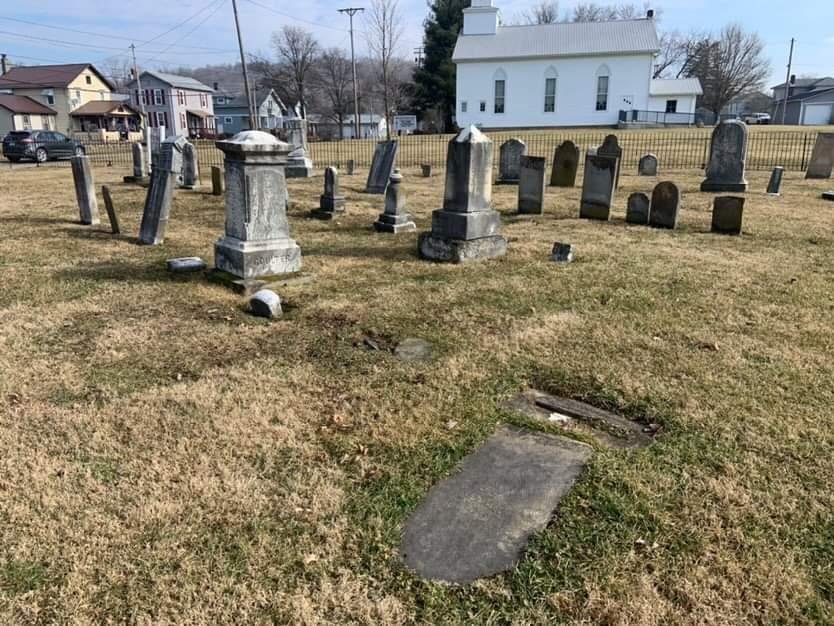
x,y
104,107
809,83
33,76
561,39
239,101
676,87
180,82
808,95
24,104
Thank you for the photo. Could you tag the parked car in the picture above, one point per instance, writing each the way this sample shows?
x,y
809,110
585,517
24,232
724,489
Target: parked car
x,y
757,118
39,145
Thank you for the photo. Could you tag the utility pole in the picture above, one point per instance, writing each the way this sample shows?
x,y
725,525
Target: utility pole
x,y
351,11
250,107
141,99
418,56
787,83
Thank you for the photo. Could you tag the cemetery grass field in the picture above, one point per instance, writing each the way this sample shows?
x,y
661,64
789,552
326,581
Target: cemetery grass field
x,y
169,459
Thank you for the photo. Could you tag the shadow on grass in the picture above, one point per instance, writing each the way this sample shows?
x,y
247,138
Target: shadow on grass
x,y
39,220
399,252
152,271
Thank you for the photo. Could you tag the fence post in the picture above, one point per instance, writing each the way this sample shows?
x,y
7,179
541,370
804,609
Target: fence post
x,y
804,151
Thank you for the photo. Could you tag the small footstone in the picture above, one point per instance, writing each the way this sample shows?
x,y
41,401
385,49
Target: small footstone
x,y
186,264
477,522
727,212
562,253
828,195
426,168
637,211
265,303
413,350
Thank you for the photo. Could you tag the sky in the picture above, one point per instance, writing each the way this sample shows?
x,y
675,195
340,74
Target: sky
x,y
200,32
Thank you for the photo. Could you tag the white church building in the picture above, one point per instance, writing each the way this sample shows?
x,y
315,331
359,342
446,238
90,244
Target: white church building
x,y
563,74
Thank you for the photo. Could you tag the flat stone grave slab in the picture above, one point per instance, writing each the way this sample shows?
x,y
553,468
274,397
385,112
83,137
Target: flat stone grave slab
x,y
249,286
477,522
185,265
606,428
413,350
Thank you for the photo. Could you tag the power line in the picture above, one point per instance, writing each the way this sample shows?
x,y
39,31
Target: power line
x,y
217,6
185,21
293,17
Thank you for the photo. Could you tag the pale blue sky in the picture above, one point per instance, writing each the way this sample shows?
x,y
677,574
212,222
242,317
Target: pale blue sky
x,y
209,36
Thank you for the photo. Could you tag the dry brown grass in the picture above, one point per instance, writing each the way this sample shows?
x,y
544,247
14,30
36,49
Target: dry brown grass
x,y
167,459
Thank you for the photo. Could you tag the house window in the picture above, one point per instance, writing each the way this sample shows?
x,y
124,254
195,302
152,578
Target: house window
x,y
27,123
671,106
89,80
157,96
549,95
463,107
483,106
78,94
227,120
46,122
101,95
221,100
183,121
203,100
500,86
602,93
50,99
181,97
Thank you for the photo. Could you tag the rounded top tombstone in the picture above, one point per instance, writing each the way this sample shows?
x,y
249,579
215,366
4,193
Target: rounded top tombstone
x,y
249,144
255,137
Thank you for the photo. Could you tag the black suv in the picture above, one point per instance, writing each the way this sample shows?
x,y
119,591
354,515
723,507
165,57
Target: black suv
x,y
39,145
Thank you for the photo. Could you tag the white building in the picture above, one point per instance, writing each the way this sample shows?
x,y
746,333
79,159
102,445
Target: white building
x,y
562,74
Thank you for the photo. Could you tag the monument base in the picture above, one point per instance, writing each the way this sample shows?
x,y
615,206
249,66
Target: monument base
x,y
326,214
135,179
719,187
460,250
590,211
253,259
507,181
387,223
828,195
331,203
249,286
465,225
299,168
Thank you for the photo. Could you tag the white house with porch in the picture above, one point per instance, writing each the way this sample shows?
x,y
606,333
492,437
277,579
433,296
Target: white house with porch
x,y
561,74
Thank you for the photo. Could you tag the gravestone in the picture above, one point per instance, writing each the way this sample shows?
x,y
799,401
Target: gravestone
x,y
774,186
426,168
185,265
666,199
85,191
727,212
565,164
531,185
216,181
822,158
467,228
140,164
828,195
637,211
299,164
611,148
394,218
727,158
562,253
331,201
350,167
190,167
478,521
265,303
509,163
598,187
648,165
164,175
111,212
385,155
257,239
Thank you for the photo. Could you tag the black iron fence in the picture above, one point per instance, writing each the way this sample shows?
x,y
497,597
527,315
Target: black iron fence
x,y
678,149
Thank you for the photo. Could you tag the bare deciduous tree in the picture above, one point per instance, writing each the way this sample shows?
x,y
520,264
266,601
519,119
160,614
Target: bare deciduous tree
x,y
335,84
593,12
545,12
297,50
672,53
383,31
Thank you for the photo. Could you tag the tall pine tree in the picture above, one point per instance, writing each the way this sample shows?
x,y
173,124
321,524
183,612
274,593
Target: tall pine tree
x,y
436,78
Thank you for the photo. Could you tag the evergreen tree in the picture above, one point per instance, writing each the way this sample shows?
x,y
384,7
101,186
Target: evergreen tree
x,y
436,78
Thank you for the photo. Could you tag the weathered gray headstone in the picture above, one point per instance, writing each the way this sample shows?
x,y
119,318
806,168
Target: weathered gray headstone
x,y
509,163
637,210
331,201
531,185
257,239
299,164
216,181
467,228
611,148
666,199
565,164
85,191
426,168
350,167
265,303
190,167
185,265
164,176
647,166
394,219
140,164
727,212
385,155
598,187
774,186
478,521
111,212
562,253
822,158
727,158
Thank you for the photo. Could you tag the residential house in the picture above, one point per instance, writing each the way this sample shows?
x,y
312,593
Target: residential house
x,y
810,102
182,105
371,126
110,116
231,112
63,88
560,74
24,113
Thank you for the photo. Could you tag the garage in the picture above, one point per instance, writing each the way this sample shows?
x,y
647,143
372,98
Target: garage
x,y
817,114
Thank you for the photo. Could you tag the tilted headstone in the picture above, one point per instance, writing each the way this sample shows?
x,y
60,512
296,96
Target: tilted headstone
x,y
190,167
216,181
611,147
598,187
426,169
774,186
299,164
637,210
331,201
385,155
467,228
647,166
509,161
111,212
562,253
565,164
727,158
531,185
85,191
350,167
727,212
164,176
257,239
822,158
394,218
666,199
140,164
265,303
